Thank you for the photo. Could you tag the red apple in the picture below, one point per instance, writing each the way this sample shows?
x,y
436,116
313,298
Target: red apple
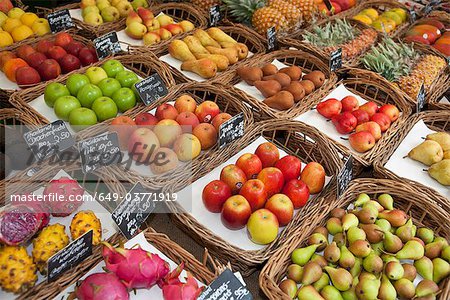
x,y
188,121
220,119
74,48
349,103
69,63
63,39
382,120
297,191
371,127
255,193
166,111
56,52
206,111
142,144
370,107
234,177
329,108
344,122
273,180
185,103
281,206
35,59
361,116
86,56
44,45
250,164
290,166
361,141
49,69
268,154
24,50
337,8
215,194
390,110
145,119
235,212
27,76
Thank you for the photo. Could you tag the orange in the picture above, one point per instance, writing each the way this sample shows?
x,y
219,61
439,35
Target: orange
x,y
21,32
11,67
4,57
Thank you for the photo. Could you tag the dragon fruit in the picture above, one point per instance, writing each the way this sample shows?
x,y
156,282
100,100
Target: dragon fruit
x,y
104,286
18,224
136,268
67,195
174,289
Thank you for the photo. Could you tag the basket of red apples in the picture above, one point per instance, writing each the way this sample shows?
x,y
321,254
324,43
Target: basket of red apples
x,y
245,200
359,116
31,64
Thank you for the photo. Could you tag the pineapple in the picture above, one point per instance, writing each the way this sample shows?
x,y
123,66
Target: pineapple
x,y
306,7
204,5
410,85
428,69
17,270
51,239
84,221
289,11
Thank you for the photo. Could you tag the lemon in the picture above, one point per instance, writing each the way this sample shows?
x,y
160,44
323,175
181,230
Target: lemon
x,y
363,19
393,16
5,39
371,13
21,32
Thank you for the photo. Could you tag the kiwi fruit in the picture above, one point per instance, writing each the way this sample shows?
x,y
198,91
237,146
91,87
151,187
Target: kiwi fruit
x,y
308,85
269,69
282,78
317,77
297,90
293,71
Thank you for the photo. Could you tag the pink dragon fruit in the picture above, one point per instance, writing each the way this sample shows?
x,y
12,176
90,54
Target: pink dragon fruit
x,y
136,268
102,286
66,194
174,289
18,224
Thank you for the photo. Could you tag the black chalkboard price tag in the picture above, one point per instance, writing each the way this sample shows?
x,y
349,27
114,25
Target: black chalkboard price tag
x,y
134,209
226,286
345,176
231,130
60,20
151,89
70,256
107,44
336,60
421,98
215,15
272,42
99,151
412,15
49,139
328,5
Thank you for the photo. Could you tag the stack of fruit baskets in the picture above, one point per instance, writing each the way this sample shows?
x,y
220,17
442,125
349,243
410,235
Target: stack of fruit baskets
x,y
364,115
46,58
257,194
405,67
94,93
386,16
392,205
262,80
409,157
206,55
323,38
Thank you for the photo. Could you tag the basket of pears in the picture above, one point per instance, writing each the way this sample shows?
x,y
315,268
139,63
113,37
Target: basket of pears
x,y
376,241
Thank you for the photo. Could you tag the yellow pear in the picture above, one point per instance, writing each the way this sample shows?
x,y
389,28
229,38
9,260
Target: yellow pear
x,y
443,138
428,152
179,50
441,172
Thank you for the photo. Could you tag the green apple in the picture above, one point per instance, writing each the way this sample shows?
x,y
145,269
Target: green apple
x,y
89,9
88,94
75,82
127,78
104,108
112,67
124,99
96,74
53,91
109,86
133,88
82,117
139,3
64,105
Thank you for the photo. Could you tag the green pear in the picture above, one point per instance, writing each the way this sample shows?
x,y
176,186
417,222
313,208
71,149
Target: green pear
x,y
405,232
340,278
386,201
394,270
319,259
428,152
354,234
374,205
289,287
367,288
387,258
332,253
337,212
308,292
367,215
360,248
311,273
441,269
441,240
387,290
405,288
339,238
378,248
424,267
445,253
425,234
349,220
357,267
392,243
347,259
434,249
426,287
322,230
440,171
373,263
442,138
302,255
351,293
294,272
329,292
361,199
319,239
384,225
396,217
323,281
334,225
374,233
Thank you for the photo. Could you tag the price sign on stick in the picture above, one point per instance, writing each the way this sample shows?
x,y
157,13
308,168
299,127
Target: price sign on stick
x,y
421,98
272,43
215,15
151,89
345,176
106,45
336,60
231,130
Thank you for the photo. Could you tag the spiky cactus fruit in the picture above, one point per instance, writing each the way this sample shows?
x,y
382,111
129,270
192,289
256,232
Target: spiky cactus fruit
x,y
49,241
84,221
17,270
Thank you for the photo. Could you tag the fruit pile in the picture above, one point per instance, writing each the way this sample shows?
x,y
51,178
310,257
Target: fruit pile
x,y
261,191
49,58
23,223
282,88
97,12
435,153
368,120
387,22
338,6
206,52
372,251
430,31
341,34
403,65
95,96
174,133
143,25
18,25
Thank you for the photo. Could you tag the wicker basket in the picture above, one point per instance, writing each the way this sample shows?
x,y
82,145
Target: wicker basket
x,y
297,41
407,197
435,120
437,105
295,138
307,62
142,65
241,34
179,12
